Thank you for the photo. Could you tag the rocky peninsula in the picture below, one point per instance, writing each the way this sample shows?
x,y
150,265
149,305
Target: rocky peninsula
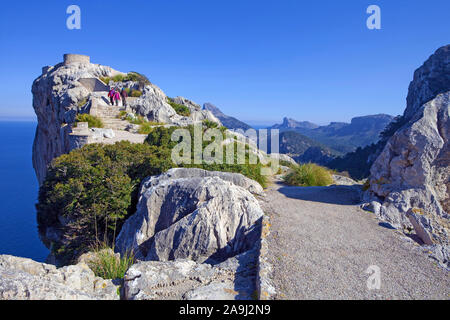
x,y
218,232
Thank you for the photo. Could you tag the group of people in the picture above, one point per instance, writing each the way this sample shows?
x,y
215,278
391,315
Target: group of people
x,y
115,95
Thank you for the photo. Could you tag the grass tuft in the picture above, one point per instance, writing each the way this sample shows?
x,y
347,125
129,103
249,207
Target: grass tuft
x,y
93,121
107,265
308,175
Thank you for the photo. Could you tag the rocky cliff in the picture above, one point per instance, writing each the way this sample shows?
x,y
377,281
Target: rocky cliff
x,y
229,122
410,179
74,86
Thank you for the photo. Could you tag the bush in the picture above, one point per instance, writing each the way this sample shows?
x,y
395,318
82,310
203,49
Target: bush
x,y
107,265
308,175
161,137
88,193
136,93
137,77
136,119
93,121
82,102
146,127
179,108
122,114
131,76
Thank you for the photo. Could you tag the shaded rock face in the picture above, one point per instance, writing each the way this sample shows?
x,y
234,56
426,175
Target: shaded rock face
x,y
411,175
25,279
234,279
192,214
432,78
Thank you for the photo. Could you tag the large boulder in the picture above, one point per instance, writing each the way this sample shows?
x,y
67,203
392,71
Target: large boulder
x,y
192,214
25,279
411,176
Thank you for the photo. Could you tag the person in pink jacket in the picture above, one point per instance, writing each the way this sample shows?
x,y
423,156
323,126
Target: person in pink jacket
x,y
117,97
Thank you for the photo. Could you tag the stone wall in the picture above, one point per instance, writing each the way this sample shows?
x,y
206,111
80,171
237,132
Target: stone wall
x,y
72,58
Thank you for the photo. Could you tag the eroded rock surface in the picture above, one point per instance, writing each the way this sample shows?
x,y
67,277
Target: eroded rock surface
x,y
25,279
185,279
411,177
193,214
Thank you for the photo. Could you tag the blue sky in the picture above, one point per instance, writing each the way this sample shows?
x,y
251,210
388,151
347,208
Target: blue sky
x,y
256,60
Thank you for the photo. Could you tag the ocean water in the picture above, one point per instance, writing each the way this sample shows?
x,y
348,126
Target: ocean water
x,y
18,192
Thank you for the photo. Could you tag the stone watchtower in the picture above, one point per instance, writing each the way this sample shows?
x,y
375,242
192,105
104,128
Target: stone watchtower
x,y
72,58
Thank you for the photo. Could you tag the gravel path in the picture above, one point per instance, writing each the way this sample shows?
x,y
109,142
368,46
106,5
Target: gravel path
x,y
321,244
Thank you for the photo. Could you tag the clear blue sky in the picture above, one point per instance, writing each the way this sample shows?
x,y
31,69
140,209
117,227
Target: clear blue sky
x,y
256,60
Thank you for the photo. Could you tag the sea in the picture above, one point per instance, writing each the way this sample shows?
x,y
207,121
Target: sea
x,y
18,192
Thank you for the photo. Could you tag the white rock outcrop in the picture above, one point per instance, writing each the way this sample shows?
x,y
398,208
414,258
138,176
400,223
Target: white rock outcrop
x,y
411,176
66,89
193,214
25,279
234,279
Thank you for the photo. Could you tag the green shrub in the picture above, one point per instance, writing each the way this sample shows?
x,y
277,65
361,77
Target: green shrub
x,y
136,120
309,174
93,121
161,137
118,78
179,108
122,114
137,77
136,93
107,265
131,76
94,189
146,127
82,102
106,80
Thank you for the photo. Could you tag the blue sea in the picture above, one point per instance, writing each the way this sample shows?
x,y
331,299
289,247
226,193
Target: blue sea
x,y
18,192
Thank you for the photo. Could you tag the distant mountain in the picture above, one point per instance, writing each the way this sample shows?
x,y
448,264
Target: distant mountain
x,y
340,136
302,148
227,121
289,123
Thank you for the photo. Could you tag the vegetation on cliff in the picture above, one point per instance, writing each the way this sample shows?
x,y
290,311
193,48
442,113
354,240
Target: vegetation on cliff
x,y
88,193
93,121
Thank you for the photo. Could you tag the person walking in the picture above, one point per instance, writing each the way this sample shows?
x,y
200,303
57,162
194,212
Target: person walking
x,y
116,97
124,96
111,94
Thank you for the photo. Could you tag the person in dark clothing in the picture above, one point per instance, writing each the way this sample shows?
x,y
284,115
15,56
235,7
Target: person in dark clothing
x,y
124,95
111,94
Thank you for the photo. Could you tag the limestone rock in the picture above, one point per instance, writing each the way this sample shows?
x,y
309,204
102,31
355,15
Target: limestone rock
x,y
192,214
66,89
343,181
282,157
25,279
177,173
411,176
188,280
431,79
